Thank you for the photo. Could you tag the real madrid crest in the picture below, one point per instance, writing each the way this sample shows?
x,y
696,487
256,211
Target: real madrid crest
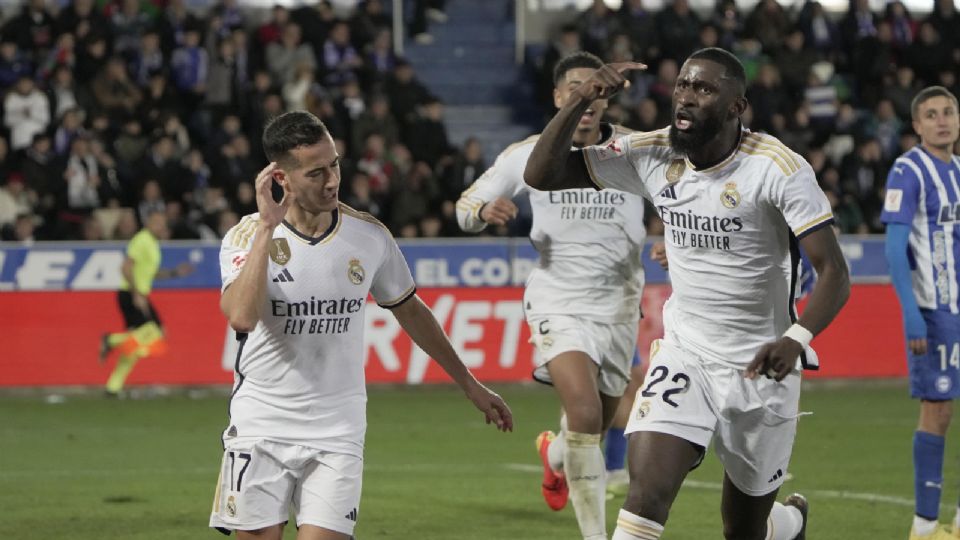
x,y
355,272
643,410
280,251
730,196
231,506
675,170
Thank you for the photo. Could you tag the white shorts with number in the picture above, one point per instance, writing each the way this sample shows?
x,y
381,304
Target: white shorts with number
x,y
610,345
752,423
261,481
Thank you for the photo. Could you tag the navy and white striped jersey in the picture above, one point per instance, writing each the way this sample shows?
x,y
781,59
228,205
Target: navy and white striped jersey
x,y
924,193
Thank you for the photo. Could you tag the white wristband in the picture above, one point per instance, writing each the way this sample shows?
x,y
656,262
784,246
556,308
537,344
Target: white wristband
x,y
799,334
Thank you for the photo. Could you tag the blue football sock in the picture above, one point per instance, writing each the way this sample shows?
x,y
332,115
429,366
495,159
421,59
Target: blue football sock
x,y
927,473
616,449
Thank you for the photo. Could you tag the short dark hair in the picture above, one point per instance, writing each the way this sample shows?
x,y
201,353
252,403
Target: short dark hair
x,y
927,93
573,61
732,67
289,131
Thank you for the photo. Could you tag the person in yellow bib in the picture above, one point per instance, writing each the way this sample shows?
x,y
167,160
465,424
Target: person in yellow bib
x,y
144,335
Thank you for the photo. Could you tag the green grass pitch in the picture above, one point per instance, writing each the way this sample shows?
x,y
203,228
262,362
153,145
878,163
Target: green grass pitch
x,y
89,468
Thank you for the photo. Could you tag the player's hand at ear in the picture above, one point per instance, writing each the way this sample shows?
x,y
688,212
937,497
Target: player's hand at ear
x,y
608,80
491,405
271,212
658,252
498,211
775,360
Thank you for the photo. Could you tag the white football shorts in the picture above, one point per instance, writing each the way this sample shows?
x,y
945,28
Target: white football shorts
x,y
610,345
262,481
752,423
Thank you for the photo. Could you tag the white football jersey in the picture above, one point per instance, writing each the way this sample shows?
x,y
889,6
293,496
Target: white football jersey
x,y
731,233
299,375
590,242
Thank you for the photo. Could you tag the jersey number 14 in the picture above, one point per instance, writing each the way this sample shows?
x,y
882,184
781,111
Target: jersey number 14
x,y
954,356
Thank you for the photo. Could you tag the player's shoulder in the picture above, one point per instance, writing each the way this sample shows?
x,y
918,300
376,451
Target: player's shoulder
x,y
654,143
767,151
525,144
909,164
240,234
356,220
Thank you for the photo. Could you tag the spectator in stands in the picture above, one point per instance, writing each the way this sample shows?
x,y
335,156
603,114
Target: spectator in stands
x,y
768,23
360,196
678,27
903,26
794,61
190,64
14,200
32,30
127,24
466,167
315,21
131,144
111,190
174,24
928,53
427,139
874,59
864,174
92,230
424,10
62,93
147,59
379,61
151,200
71,126
885,126
82,19
26,112
374,164
639,25
21,231
405,93
7,160
858,23
902,92
566,42
83,177
375,119
367,23
285,57
13,64
340,59
767,98
62,54
269,32
41,172
412,201
115,92
91,57
220,90
229,17
729,23
597,25
233,165
819,30
945,20
661,90
160,98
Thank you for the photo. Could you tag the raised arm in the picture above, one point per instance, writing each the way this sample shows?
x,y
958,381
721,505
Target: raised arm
x,y
422,327
552,165
243,299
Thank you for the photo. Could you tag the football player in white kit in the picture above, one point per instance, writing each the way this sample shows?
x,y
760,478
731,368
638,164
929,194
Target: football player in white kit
x,y
296,278
582,300
736,206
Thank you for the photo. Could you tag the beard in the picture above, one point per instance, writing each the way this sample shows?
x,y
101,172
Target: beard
x,y
693,139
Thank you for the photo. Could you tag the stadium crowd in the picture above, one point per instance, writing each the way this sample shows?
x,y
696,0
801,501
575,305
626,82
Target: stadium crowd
x,y
113,107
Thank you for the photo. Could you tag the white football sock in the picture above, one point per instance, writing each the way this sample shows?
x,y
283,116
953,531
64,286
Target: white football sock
x,y
585,471
784,522
633,527
556,449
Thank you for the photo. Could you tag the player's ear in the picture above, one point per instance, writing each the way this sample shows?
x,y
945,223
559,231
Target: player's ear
x,y
739,107
279,176
556,99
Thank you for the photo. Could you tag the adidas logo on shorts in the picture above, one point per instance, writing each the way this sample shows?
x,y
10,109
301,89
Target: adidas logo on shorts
x,y
284,277
352,516
775,477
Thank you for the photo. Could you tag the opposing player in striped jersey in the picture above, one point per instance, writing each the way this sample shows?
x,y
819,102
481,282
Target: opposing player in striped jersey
x,y
296,277
735,206
582,301
921,210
